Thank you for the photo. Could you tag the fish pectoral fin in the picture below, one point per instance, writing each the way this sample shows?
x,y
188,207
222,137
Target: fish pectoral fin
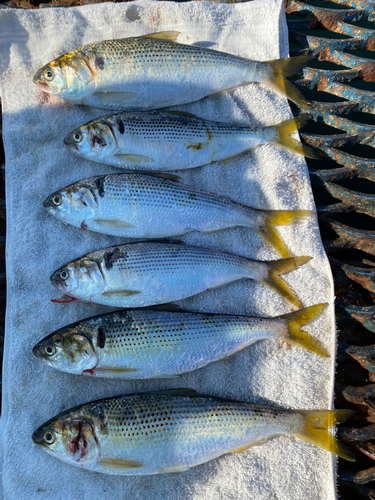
x,y
170,36
122,293
108,98
130,158
115,370
113,224
120,463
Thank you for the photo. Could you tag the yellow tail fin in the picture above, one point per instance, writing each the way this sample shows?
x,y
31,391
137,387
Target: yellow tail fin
x,y
316,423
281,136
281,68
280,267
296,320
280,218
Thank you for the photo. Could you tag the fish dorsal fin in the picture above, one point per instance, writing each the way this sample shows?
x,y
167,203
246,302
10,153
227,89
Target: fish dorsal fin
x,y
169,36
172,392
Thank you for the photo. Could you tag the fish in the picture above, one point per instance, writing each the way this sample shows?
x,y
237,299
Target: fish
x,y
150,273
173,430
143,206
154,71
173,140
148,344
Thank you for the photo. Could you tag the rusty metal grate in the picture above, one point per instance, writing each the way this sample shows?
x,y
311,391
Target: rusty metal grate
x,y
340,82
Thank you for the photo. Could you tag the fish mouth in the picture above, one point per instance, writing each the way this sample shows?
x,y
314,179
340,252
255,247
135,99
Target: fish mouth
x,y
36,351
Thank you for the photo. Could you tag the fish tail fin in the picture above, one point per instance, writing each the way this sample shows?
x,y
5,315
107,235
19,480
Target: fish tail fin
x,y
280,69
280,218
276,268
314,430
279,135
296,336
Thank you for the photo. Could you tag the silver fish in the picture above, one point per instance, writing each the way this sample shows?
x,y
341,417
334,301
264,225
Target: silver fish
x,y
144,344
174,430
141,206
153,71
171,140
144,274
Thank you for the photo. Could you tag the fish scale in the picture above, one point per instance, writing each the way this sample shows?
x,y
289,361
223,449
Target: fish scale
x,y
162,141
141,344
172,431
149,273
142,206
153,71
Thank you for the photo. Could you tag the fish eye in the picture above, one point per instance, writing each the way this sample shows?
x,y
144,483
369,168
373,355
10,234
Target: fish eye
x,y
50,350
49,437
49,74
64,274
77,137
57,200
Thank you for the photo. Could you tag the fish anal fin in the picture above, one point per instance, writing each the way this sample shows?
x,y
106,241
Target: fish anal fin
x,y
120,463
247,446
169,36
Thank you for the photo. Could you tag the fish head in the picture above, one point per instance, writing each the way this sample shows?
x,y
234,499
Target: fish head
x,y
94,140
81,278
73,205
70,436
70,77
69,349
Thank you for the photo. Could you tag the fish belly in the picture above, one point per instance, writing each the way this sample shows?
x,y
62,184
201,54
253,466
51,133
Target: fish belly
x,y
177,273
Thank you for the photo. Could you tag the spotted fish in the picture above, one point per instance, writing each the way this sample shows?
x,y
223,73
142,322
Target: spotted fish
x,y
171,140
141,206
153,71
144,274
172,431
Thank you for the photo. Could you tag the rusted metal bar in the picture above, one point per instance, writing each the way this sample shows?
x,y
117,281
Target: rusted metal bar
x,y
362,477
355,166
364,276
367,448
349,238
357,434
358,394
363,203
365,315
365,355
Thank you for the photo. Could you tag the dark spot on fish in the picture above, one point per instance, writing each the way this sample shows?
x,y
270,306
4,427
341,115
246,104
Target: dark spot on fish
x,y
121,127
99,61
96,139
192,196
99,183
101,337
111,257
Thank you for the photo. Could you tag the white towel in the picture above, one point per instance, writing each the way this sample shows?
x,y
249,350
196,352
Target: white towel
x,y
34,125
